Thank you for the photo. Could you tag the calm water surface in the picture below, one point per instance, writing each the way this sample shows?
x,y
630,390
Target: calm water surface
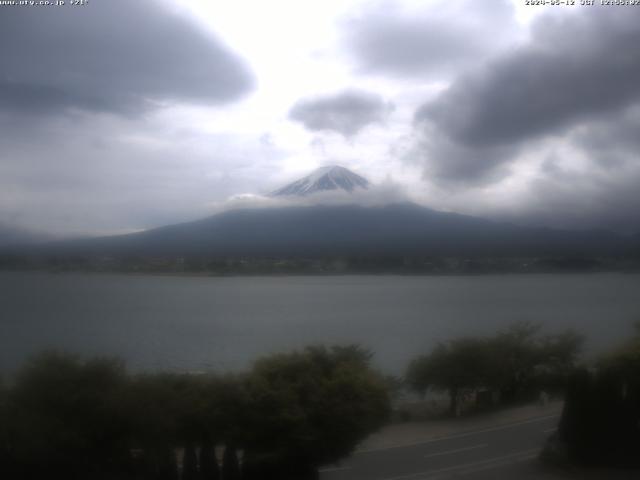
x,y
201,323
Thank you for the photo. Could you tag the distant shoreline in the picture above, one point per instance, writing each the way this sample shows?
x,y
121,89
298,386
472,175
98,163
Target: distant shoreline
x,y
187,274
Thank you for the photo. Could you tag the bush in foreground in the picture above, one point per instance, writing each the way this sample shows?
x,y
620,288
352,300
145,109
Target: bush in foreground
x,y
64,417
600,424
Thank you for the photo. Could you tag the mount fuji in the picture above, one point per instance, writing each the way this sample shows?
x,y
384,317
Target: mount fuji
x,y
332,177
339,231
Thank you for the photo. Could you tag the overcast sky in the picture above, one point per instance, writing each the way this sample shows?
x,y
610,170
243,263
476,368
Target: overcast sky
x,y
127,114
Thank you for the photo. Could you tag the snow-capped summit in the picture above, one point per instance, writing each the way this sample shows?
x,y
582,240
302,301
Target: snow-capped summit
x,y
333,177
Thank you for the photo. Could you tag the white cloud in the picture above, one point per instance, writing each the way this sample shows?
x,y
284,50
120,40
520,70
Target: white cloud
x,y
384,193
78,166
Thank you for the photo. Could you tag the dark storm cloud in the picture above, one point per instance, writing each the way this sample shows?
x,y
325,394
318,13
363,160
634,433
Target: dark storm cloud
x,y
449,161
577,68
612,140
599,198
112,56
431,41
603,193
346,112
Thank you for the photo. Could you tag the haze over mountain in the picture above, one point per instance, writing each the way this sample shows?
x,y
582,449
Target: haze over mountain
x,y
331,177
335,230
12,235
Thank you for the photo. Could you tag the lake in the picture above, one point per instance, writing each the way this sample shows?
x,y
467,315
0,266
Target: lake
x,y
223,324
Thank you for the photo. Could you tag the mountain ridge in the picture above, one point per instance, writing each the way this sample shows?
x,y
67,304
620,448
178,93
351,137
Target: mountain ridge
x,y
322,230
13,235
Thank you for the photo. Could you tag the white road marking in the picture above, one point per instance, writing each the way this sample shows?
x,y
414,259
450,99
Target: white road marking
x,y
458,435
502,463
333,469
472,467
457,450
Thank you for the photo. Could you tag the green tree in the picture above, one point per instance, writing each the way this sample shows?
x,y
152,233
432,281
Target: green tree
x,y
516,362
600,422
5,452
516,353
310,408
190,462
170,411
65,417
209,469
230,463
625,359
558,357
194,412
153,403
224,409
525,362
457,366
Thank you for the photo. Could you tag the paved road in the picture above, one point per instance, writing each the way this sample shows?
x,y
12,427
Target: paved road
x,y
504,452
